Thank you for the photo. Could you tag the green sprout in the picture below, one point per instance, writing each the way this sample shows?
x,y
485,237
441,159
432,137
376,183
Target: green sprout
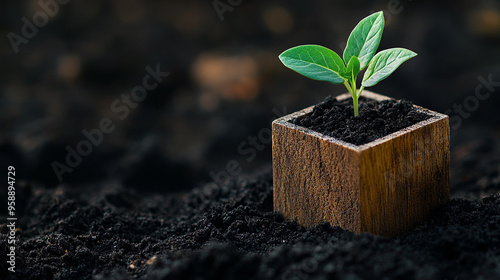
x,y
320,63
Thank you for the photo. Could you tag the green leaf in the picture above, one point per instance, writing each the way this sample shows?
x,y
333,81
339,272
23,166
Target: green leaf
x,y
384,63
315,62
353,68
364,39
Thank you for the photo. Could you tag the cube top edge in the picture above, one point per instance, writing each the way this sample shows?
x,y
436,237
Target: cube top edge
x,y
285,121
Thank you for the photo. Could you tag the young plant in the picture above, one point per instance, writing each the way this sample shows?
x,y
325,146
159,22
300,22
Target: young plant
x,y
320,63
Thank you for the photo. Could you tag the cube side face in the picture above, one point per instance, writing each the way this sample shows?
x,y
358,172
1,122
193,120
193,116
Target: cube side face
x,y
314,179
403,180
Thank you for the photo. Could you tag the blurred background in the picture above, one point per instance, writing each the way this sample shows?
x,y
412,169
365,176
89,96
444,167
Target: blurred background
x,y
225,82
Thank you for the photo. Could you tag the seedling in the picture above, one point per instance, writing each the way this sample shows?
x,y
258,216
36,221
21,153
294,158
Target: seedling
x,y
320,63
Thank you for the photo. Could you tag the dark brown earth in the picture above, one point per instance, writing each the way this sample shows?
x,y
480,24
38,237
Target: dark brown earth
x,y
376,119
105,230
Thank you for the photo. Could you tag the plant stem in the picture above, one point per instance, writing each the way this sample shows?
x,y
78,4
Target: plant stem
x,y
354,94
360,90
355,98
346,84
355,103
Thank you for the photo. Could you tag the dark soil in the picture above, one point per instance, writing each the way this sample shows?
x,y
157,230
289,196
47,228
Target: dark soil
x,y
108,231
376,119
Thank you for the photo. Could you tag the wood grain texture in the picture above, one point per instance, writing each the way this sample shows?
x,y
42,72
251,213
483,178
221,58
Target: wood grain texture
x,y
383,187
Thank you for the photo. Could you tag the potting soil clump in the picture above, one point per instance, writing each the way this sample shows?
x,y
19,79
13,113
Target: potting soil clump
x,y
376,119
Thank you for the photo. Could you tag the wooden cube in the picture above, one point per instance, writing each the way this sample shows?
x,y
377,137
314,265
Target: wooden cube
x,y
384,187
